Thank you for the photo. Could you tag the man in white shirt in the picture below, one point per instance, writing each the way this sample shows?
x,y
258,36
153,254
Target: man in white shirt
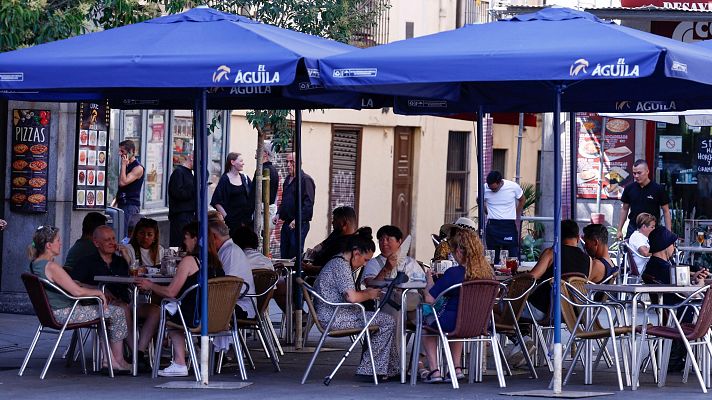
x,y
503,202
638,241
234,262
248,241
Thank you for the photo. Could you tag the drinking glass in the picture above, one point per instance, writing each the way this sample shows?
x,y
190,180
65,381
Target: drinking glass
x,y
512,264
700,237
503,255
491,255
133,268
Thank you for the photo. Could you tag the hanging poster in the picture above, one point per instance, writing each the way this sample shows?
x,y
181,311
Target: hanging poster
x,y
91,154
29,161
616,150
704,155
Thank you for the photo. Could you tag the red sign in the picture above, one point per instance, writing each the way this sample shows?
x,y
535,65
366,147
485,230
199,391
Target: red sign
x,y
618,157
676,5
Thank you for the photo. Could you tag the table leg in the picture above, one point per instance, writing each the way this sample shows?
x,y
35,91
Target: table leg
x,y
134,323
634,344
288,320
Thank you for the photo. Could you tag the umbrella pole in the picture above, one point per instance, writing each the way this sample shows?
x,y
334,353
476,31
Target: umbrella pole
x,y
480,172
573,164
298,261
520,136
556,289
601,164
201,174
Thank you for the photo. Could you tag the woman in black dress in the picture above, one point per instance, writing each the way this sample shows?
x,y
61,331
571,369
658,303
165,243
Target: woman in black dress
x,y
186,276
233,197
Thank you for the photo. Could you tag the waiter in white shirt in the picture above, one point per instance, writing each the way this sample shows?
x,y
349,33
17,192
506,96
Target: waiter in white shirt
x,y
504,202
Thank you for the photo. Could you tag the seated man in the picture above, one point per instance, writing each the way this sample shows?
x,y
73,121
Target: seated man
x,y
248,241
234,263
573,259
638,241
84,246
595,237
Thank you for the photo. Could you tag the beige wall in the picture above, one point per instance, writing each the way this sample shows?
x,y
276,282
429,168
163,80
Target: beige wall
x,y
505,137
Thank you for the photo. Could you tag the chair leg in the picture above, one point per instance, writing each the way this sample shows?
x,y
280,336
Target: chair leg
x,y
523,346
159,345
30,350
68,354
314,356
193,355
617,359
81,352
450,363
275,338
243,343
221,356
667,345
238,354
695,366
107,347
497,363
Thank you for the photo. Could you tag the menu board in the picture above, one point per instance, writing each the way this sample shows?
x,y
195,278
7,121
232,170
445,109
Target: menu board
x,y
704,155
91,156
617,151
29,161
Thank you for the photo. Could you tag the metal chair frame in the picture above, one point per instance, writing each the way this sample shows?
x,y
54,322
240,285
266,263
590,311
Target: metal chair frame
x,y
100,324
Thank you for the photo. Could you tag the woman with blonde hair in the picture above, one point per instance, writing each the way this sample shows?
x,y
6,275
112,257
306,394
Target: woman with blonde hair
x,y
469,254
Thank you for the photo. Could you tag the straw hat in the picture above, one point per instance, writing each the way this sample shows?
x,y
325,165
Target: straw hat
x,y
461,223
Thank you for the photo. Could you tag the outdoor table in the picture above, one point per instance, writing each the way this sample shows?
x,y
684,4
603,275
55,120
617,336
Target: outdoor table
x,y
691,250
405,287
130,281
289,280
637,291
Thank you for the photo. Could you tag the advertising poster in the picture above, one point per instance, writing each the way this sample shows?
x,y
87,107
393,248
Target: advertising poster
x,y
704,155
91,156
30,161
616,150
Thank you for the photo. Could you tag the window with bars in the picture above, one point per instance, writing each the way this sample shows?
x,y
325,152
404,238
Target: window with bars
x,y
377,32
344,169
458,172
477,12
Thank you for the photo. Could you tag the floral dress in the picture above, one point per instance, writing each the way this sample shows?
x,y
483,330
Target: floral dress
x,y
333,282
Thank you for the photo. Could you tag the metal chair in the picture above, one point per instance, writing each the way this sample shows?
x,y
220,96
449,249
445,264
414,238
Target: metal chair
x,y
581,317
223,293
326,331
632,270
265,281
37,290
691,334
475,323
507,320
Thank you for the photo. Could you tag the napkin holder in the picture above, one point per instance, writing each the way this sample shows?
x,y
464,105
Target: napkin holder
x,y
680,275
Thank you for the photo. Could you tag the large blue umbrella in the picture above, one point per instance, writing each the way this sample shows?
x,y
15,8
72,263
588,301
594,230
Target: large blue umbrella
x,y
552,60
197,59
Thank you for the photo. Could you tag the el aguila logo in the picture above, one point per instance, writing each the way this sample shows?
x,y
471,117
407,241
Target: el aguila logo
x,y
619,69
261,76
578,66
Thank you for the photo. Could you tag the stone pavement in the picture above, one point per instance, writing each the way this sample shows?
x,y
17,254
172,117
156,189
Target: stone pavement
x,y
16,333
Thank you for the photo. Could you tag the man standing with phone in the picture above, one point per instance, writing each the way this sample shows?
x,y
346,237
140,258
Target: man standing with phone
x,y
128,197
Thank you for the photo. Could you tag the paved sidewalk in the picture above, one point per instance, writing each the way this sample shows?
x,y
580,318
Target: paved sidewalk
x,y
16,333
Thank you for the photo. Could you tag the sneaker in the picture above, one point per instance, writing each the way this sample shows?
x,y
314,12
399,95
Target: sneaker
x,y
174,370
517,359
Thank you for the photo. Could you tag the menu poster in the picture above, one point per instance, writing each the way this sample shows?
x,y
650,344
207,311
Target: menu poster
x,y
91,154
704,155
617,152
29,161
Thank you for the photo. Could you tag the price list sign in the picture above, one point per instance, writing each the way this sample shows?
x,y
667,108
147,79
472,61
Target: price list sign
x,y
91,156
29,161
704,155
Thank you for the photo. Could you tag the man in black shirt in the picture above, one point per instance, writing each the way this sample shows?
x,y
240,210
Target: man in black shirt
x,y
181,199
288,210
643,195
104,262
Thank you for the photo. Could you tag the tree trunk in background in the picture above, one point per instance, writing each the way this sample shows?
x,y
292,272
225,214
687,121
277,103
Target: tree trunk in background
x,y
259,226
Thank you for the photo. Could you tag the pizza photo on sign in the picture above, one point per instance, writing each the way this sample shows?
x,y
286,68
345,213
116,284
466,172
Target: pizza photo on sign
x,y
19,148
83,137
617,125
90,198
99,197
101,141
19,165
18,198
92,138
617,153
38,149
82,177
91,157
101,158
36,198
38,165
90,178
588,175
20,181
100,177
38,182
80,197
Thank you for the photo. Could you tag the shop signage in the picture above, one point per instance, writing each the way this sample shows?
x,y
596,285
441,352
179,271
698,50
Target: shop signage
x,y
670,144
675,5
616,150
704,155
92,144
29,161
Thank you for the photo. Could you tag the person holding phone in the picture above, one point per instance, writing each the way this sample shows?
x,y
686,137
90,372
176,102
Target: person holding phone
x,y
131,175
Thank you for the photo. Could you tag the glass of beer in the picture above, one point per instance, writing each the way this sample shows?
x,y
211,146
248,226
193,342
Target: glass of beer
x,y
700,237
134,268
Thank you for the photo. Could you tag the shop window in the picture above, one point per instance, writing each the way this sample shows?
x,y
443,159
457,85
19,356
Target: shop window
x,y
155,156
458,172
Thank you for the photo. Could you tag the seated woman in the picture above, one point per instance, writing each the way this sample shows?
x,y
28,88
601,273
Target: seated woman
x,y
46,245
335,284
469,254
638,241
143,245
186,276
595,237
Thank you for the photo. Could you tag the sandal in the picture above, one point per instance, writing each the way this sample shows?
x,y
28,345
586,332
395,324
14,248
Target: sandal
x,y
422,371
433,379
458,374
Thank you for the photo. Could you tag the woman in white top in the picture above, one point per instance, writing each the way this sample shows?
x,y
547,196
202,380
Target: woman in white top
x,y
143,245
638,241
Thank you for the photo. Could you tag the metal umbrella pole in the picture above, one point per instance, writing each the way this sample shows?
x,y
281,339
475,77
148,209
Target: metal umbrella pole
x,y
201,174
556,284
573,164
480,172
298,226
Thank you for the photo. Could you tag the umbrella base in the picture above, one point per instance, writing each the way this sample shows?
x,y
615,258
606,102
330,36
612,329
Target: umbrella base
x,y
198,385
571,394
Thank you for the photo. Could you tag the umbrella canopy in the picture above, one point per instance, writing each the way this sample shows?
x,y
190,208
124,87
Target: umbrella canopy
x,y
246,64
513,65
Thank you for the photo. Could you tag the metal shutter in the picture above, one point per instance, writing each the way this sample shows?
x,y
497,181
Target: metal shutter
x,y
343,182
